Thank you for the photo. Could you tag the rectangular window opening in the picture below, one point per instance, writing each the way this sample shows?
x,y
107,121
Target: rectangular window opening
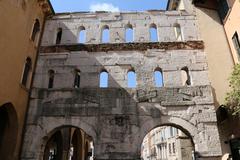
x,y
236,43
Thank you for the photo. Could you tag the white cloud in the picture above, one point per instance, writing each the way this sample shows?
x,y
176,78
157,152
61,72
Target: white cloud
x,y
104,7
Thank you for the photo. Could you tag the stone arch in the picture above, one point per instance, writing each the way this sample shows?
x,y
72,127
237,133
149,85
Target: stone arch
x,y
35,30
153,31
178,31
129,33
152,123
158,77
8,130
105,34
82,34
50,127
59,36
103,78
131,78
77,78
56,138
185,75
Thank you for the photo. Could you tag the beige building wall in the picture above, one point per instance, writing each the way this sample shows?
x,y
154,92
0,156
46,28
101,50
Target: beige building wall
x,y
220,61
17,20
232,25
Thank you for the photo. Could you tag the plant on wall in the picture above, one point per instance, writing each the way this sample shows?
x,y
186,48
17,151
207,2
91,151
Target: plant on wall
x,y
232,98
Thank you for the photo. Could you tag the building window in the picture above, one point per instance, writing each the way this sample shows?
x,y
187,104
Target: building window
x,y
104,79
77,79
36,30
59,36
170,148
223,8
171,131
51,78
178,32
82,35
105,34
129,33
131,76
153,33
158,77
26,71
174,149
186,80
236,43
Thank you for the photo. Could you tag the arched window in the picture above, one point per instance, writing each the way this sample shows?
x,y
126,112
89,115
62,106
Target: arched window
x,y
26,71
132,83
82,35
36,30
186,80
178,32
129,34
59,36
153,33
51,78
103,79
105,34
158,77
77,79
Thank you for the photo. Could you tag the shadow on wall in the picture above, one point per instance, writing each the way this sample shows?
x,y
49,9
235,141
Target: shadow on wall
x,y
213,14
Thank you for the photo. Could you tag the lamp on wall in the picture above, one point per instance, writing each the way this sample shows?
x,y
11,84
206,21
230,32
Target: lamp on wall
x,y
232,136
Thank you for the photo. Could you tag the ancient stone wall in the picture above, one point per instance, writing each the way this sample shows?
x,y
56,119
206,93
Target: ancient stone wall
x,y
117,23
118,117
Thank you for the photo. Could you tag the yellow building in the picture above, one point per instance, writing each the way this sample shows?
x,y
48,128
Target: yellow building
x,y
228,124
232,28
221,62
21,27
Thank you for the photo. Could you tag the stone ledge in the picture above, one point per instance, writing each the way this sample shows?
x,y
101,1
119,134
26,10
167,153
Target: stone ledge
x,y
123,47
92,101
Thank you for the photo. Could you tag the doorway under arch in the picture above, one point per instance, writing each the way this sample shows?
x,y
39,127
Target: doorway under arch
x,y
68,143
8,131
167,143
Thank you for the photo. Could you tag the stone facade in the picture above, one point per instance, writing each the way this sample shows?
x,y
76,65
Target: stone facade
x,y
118,117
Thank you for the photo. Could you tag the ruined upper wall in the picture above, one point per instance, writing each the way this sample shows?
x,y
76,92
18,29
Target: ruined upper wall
x,y
71,24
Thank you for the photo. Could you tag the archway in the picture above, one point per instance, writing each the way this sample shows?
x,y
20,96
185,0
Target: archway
x,y
8,131
53,149
68,143
167,142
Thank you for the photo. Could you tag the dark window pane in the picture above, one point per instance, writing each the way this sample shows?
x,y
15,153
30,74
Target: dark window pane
x,y
223,8
236,43
59,36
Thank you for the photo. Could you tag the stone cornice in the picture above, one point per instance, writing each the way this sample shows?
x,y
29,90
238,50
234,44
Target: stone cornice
x,y
141,46
46,7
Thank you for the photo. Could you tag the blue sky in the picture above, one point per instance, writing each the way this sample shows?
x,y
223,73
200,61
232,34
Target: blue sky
x,y
131,78
108,5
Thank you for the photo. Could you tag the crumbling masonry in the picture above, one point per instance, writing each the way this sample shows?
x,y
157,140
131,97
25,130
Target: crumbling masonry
x,y
118,117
